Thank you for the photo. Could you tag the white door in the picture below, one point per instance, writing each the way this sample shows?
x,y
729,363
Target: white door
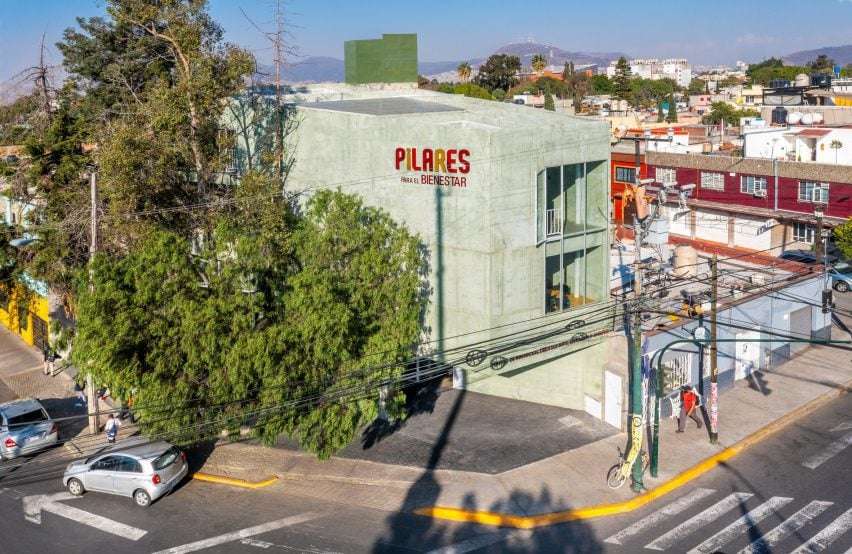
x,y
748,353
613,399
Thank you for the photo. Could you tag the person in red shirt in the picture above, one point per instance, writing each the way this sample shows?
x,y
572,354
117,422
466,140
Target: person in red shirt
x,y
688,408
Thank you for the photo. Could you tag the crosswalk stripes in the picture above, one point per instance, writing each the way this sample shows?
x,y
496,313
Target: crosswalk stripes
x,y
764,544
745,526
829,452
741,525
655,518
828,535
698,521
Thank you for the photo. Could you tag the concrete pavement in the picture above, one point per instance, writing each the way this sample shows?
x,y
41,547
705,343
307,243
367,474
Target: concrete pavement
x,y
566,480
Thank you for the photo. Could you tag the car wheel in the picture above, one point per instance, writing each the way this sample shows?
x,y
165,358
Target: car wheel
x,y
142,498
841,286
75,487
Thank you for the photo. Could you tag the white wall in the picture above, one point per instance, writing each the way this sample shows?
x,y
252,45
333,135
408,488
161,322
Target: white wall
x,y
752,233
712,226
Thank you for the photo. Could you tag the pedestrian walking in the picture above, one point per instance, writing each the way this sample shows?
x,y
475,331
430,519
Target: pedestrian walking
x,y
111,427
49,360
689,402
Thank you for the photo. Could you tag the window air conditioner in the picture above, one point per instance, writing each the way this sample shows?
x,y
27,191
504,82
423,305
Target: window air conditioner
x,y
760,193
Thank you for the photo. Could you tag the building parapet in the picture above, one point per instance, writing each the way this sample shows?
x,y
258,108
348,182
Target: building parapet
x,y
755,166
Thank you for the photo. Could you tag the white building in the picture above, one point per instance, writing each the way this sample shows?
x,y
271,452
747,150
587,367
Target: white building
x,y
677,69
825,145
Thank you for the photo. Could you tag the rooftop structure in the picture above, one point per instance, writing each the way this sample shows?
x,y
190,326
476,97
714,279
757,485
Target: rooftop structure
x,y
390,59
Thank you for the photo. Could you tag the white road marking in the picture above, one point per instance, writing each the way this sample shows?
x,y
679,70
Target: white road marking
x,y
257,543
698,521
824,538
792,524
241,534
34,505
479,541
845,426
829,452
741,525
655,518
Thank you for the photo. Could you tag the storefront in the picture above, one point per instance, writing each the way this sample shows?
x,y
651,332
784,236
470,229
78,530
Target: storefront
x,y
24,311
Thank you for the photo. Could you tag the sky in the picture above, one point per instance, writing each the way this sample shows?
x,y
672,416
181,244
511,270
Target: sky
x,y
707,32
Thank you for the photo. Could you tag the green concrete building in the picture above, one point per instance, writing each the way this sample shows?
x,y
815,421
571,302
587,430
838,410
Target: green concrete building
x,y
390,59
511,204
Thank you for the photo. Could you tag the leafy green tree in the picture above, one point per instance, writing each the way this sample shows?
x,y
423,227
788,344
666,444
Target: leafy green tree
x,y
278,307
499,94
771,69
822,64
621,80
472,91
568,71
697,86
843,238
499,71
671,117
548,100
601,84
661,115
722,111
539,62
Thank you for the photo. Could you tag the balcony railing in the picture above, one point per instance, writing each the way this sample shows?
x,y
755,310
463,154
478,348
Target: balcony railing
x,y
554,223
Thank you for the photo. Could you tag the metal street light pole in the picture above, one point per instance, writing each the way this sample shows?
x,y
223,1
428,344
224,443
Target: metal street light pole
x,y
93,408
714,366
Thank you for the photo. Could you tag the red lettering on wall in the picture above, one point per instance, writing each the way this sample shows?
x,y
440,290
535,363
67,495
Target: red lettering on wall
x,y
465,164
400,156
414,160
451,161
427,159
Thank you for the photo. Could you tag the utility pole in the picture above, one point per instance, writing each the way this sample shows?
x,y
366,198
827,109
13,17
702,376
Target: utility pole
x,y
714,368
93,408
819,251
636,397
278,43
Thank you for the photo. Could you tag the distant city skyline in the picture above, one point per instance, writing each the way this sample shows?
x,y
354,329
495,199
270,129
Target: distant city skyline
x,y
706,33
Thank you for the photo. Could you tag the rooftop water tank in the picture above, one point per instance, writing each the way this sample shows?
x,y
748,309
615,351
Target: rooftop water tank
x,y
685,262
794,118
779,115
817,118
802,80
808,119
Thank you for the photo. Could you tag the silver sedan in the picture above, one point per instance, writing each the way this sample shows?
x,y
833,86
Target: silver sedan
x,y
144,472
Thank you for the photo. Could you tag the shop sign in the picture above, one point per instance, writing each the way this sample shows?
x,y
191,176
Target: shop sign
x,y
434,166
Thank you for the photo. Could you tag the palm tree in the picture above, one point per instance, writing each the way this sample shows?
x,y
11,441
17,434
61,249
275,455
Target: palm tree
x,y
539,62
464,71
835,145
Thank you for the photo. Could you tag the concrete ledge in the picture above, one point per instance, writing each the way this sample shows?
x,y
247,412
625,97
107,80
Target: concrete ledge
x,y
602,510
234,482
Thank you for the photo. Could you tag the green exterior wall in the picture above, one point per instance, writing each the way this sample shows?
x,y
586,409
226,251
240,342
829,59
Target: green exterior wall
x,y
390,59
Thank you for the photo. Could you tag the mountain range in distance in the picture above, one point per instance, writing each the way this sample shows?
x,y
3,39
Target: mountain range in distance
x,y
319,69
842,55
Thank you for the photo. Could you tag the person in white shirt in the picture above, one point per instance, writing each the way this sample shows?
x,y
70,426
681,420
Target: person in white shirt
x,y
111,428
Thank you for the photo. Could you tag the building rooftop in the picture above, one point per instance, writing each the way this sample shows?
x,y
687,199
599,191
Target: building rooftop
x,y
383,106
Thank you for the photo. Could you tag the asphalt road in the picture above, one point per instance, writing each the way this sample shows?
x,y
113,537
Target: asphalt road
x,y
788,490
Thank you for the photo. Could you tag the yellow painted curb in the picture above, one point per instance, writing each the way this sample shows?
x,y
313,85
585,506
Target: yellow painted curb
x,y
234,482
601,510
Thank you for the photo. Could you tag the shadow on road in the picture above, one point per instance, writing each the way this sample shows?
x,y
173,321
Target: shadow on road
x,y
408,531
420,398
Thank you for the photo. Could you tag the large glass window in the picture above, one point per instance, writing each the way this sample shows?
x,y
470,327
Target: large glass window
x,y
750,184
813,192
802,232
666,175
574,201
712,180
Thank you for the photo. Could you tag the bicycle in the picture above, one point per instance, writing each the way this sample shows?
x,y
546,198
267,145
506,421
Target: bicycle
x,y
617,474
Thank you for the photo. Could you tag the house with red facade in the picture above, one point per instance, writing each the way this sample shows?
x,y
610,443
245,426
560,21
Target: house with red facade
x,y
751,203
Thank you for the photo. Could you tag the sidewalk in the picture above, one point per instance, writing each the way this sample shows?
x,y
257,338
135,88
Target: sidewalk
x,y
571,479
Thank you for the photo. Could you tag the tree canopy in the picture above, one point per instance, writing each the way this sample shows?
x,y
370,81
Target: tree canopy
x,y
621,79
843,238
499,71
722,111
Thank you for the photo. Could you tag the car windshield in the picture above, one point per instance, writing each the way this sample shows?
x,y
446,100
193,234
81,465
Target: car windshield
x,y
167,458
33,416
843,267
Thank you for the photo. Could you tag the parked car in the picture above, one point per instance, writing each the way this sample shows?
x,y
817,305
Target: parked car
x,y
144,472
841,277
25,428
804,257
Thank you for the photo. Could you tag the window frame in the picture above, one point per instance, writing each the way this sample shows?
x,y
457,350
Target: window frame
x,y
809,235
666,171
713,174
814,186
621,168
745,189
